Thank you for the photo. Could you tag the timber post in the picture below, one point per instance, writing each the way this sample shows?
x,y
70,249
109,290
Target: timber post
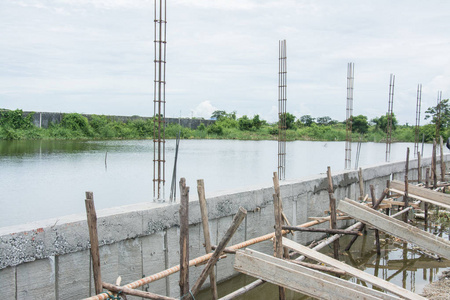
x,y
184,238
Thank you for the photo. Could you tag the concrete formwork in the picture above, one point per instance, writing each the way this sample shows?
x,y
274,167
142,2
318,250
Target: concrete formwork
x,y
50,259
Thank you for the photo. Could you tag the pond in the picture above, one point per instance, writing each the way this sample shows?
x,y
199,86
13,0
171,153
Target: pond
x,y
48,179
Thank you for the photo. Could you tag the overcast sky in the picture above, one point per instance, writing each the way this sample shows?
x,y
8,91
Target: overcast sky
x,y
96,56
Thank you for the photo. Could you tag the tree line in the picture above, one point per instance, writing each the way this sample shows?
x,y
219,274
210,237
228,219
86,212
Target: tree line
x,y
15,126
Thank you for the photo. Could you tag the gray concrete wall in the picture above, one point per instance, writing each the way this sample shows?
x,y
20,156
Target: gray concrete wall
x,y
44,119
50,259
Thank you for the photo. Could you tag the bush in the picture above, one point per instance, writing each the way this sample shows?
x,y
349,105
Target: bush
x,y
14,119
215,129
77,123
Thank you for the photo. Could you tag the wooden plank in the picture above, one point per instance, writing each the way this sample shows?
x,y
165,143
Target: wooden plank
x,y
93,238
390,287
424,199
300,279
396,228
323,230
206,234
423,192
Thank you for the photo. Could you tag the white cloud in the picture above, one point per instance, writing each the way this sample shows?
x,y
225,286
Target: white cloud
x,y
204,110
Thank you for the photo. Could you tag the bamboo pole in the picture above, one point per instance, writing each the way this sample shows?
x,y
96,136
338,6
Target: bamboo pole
x,y
184,237
333,222
128,291
405,197
388,195
206,234
377,233
325,230
93,237
237,220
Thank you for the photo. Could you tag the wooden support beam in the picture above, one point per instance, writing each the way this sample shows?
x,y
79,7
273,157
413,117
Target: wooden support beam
x,y
419,167
93,237
385,285
422,194
237,220
333,222
427,186
442,159
396,228
377,233
325,230
328,218
405,196
278,211
206,234
300,279
138,293
361,184
184,237
433,165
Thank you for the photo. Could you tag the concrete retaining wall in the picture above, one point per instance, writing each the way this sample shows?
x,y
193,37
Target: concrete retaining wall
x,y
44,119
50,259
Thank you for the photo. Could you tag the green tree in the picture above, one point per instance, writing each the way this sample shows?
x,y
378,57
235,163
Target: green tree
x,y
307,120
245,123
440,116
217,114
360,124
256,122
325,121
382,122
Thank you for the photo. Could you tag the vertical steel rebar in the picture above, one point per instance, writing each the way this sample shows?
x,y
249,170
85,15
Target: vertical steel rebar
x,y
438,114
282,99
159,102
417,128
349,115
389,118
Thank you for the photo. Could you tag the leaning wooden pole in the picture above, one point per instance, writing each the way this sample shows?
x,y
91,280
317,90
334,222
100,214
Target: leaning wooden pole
x,y
237,220
419,167
93,237
206,234
333,221
405,197
184,237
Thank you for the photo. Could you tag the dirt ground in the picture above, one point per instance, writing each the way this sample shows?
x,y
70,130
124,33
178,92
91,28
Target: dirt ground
x,y
439,290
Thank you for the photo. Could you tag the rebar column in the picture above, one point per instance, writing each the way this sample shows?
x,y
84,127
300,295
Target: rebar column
x,y
417,128
389,118
438,114
349,115
282,99
159,102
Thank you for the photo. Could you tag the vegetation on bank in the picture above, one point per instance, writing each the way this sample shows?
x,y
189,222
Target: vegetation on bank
x,y
15,126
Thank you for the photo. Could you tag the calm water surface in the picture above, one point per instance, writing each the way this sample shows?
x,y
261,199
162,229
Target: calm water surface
x,y
47,179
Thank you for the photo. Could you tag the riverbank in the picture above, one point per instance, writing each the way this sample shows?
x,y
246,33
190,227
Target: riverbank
x,y
439,290
19,125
